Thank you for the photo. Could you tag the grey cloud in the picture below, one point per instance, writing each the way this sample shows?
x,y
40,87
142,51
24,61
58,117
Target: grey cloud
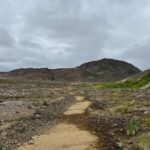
x,y
139,54
66,33
5,39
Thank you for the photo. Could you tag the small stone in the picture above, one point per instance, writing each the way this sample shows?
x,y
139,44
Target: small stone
x,y
119,144
29,107
38,116
130,142
31,143
146,112
17,112
45,103
121,129
115,125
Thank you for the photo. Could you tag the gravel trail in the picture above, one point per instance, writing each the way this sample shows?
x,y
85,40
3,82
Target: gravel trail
x,y
71,133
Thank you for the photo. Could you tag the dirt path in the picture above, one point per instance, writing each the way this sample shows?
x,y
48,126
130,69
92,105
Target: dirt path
x,y
71,133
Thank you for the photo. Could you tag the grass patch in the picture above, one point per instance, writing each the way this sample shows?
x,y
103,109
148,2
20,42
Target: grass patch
x,y
92,85
144,141
126,84
129,84
125,107
133,126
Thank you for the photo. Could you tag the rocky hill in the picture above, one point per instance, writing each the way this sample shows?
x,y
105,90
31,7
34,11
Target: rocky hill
x,y
104,70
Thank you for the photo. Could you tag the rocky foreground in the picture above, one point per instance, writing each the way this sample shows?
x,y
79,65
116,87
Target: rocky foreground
x,y
119,117
28,107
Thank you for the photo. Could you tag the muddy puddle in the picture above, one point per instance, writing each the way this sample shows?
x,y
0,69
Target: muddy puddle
x,y
71,133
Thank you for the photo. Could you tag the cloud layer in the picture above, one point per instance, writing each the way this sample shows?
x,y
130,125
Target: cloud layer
x,y
66,33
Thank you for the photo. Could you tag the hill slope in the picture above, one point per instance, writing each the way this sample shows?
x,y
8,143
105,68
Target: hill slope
x,y
104,70
139,75
140,80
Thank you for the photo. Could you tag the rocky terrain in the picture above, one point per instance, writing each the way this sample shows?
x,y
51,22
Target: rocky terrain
x,y
103,71
121,117
118,116
26,107
120,112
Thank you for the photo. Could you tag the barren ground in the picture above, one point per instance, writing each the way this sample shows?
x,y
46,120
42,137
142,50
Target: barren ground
x,y
66,135
57,116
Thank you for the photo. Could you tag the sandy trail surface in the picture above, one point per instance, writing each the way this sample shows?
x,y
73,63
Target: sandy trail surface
x,y
71,133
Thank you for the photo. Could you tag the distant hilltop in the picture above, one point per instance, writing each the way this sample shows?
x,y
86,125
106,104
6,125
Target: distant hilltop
x,y
104,70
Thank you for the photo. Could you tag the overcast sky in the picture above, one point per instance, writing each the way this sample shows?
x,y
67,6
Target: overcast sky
x,y
66,33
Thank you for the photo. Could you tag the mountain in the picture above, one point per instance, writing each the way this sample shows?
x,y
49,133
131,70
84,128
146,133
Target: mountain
x,y
104,70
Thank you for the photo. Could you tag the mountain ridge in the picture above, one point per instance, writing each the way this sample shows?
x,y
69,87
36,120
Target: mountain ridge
x,y
104,70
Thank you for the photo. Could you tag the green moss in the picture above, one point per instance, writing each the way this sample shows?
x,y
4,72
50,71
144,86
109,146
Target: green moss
x,y
144,141
147,120
97,86
92,85
146,104
126,106
119,109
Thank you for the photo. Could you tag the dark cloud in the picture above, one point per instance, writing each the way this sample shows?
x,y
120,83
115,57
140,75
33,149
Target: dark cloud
x,y
66,33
